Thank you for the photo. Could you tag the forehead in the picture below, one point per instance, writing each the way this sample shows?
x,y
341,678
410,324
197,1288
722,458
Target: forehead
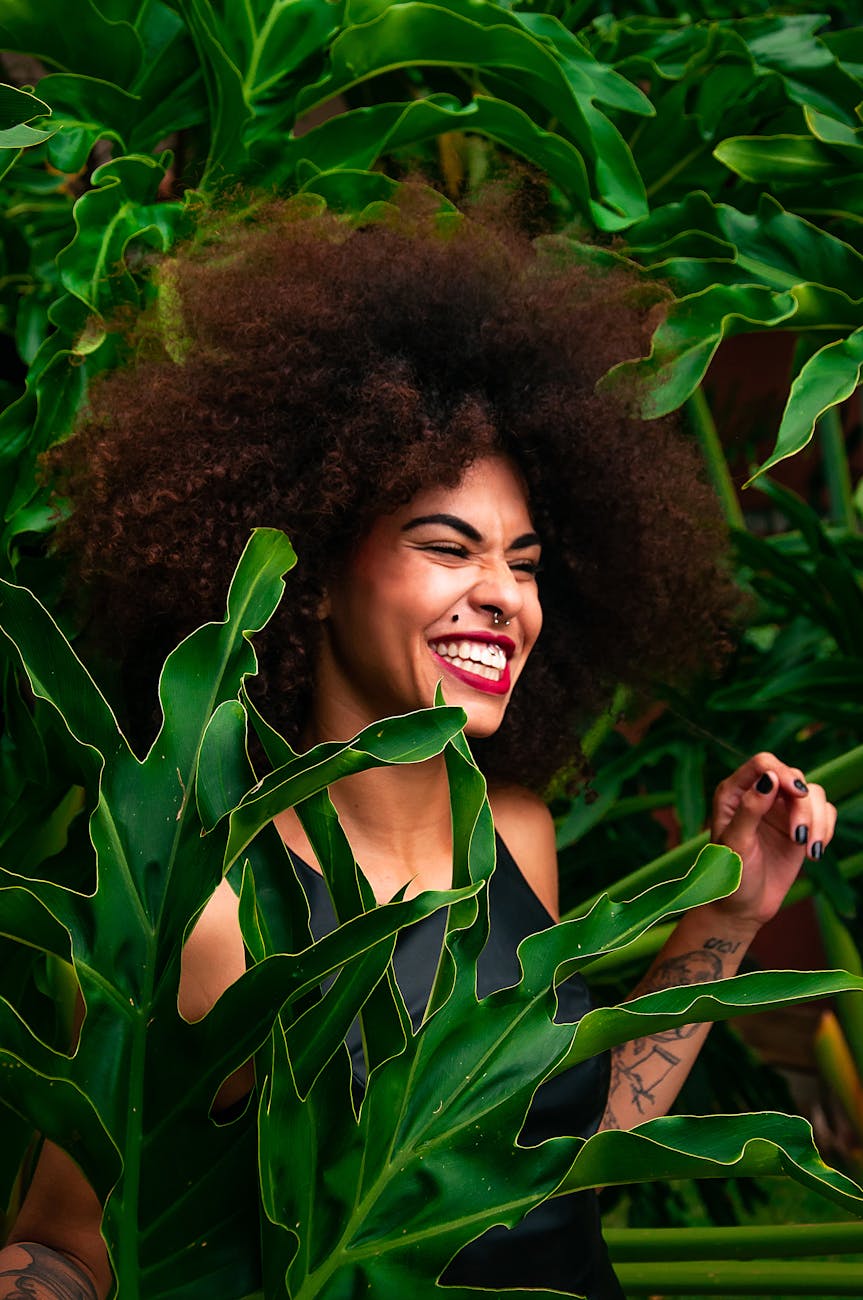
x,y
491,495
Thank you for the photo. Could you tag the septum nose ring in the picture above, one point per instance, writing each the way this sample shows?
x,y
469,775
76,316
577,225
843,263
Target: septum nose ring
x,y
497,616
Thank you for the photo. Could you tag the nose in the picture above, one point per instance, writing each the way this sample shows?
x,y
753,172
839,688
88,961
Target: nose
x,y
498,594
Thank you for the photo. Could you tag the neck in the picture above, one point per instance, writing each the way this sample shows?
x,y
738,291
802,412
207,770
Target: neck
x,y
397,818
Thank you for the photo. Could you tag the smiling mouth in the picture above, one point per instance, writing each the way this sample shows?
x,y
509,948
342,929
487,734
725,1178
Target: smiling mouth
x,y
481,664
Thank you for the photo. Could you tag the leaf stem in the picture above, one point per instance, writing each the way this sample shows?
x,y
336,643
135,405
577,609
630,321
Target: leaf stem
x,y
837,470
704,428
746,1241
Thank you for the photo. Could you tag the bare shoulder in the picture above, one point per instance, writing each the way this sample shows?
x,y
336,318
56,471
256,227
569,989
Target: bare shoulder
x,y
527,829
214,956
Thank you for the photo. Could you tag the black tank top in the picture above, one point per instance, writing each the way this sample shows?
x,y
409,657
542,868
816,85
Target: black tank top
x,y
558,1245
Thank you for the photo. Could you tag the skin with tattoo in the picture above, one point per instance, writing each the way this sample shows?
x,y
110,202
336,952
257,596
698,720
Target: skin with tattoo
x,y
44,1275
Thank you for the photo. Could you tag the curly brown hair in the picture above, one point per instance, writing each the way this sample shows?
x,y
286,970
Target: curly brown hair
x,y
320,376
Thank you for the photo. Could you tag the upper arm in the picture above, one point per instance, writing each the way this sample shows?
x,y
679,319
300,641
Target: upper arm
x,y
527,828
61,1211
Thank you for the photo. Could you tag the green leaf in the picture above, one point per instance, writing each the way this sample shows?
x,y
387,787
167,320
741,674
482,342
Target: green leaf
x,y
229,110
402,35
358,138
18,106
685,342
119,209
828,378
793,159
88,109
711,1146
91,44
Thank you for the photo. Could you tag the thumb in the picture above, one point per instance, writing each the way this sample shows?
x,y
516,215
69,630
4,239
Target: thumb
x,y
754,806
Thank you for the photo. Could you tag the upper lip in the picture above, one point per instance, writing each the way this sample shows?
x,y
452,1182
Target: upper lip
x,y
506,643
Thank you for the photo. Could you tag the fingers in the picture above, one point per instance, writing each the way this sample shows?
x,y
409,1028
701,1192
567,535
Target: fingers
x,y
820,823
799,809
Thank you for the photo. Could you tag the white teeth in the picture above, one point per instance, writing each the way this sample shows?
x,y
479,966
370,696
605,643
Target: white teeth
x,y
477,657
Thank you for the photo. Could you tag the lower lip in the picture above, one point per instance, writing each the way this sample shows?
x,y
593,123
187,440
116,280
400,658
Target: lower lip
x,y
473,679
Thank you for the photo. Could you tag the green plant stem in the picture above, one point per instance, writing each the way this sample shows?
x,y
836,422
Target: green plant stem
x,y
594,737
746,1278
704,428
842,953
747,1241
837,470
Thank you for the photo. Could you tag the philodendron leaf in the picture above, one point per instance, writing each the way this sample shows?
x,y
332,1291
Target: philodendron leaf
x,y
446,1110
828,378
121,207
409,739
515,63
154,873
711,1146
669,1008
18,109
359,137
91,44
686,341
230,111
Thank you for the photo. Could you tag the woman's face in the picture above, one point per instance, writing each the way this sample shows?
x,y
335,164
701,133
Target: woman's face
x,y
443,589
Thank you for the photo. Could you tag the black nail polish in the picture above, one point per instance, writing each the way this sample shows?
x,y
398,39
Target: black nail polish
x,y
764,784
816,850
801,785
801,835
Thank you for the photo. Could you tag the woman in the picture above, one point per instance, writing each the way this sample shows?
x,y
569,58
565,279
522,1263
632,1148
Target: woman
x,y
417,409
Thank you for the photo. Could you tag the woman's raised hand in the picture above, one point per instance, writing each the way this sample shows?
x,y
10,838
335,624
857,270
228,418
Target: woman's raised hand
x,y
768,813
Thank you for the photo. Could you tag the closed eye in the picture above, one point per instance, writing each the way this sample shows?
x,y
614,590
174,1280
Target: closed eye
x,y
447,548
530,567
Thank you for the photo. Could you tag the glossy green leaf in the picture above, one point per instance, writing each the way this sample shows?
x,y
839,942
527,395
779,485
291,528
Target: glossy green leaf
x,y
478,36
121,208
829,377
229,110
357,139
91,45
713,1146
773,159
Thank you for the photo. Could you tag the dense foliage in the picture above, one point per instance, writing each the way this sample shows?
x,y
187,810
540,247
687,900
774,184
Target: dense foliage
x,y
712,145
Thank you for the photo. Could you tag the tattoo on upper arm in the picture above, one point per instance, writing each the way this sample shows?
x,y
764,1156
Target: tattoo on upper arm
x,y
48,1276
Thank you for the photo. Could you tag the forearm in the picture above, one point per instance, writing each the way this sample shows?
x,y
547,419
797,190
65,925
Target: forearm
x,y
29,1271
648,1073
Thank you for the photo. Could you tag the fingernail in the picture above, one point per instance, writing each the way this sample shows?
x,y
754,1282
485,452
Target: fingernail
x,y
816,850
801,785
801,835
764,784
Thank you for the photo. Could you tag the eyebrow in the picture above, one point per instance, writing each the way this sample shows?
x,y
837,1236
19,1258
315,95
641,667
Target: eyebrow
x,y
467,530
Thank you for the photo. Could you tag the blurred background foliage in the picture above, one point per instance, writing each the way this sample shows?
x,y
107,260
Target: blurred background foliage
x,y
715,146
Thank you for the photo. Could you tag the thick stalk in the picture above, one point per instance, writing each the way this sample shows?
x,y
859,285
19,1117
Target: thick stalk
x,y
837,471
704,428
748,1241
843,954
768,1277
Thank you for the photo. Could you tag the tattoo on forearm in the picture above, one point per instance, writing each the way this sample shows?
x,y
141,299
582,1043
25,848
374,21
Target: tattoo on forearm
x,y
48,1276
725,946
640,1066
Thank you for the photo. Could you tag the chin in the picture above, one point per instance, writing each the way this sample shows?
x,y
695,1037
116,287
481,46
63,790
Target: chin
x,y
480,728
